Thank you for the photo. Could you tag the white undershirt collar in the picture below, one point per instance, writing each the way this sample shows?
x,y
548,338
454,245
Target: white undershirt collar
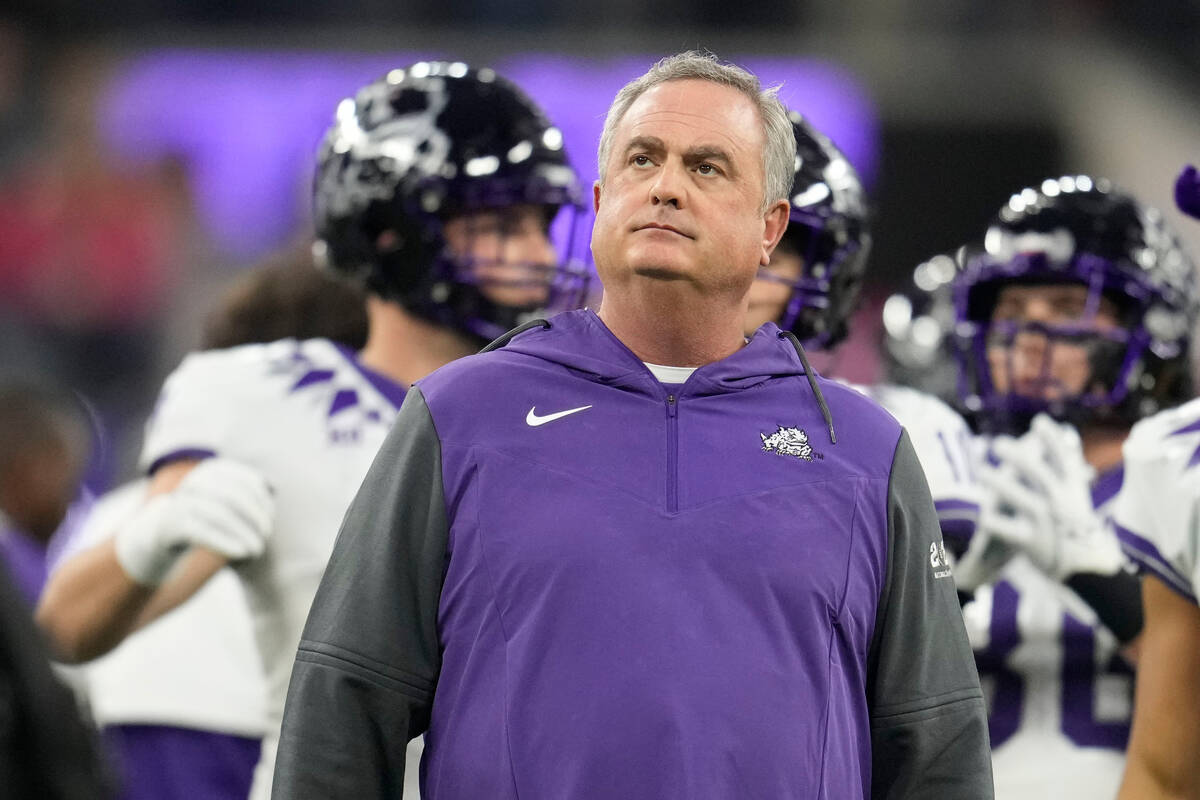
x,y
672,375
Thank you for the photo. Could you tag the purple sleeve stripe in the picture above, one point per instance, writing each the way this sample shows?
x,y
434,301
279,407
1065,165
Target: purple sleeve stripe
x,y
956,509
1189,428
183,454
1147,557
961,529
1107,485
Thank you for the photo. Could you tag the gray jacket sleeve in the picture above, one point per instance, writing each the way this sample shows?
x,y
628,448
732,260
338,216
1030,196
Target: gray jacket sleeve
x,y
369,658
929,731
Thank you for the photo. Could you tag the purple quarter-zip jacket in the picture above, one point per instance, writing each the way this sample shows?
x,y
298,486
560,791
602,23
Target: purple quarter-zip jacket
x,y
581,583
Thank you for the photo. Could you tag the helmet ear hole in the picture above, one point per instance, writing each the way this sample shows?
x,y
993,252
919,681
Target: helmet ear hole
x,y
388,242
423,145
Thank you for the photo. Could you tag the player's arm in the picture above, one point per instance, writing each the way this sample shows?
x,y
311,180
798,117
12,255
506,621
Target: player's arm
x,y
219,509
929,733
90,603
370,655
1162,760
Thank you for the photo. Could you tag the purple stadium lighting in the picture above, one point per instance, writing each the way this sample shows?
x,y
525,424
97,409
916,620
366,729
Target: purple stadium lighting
x,y
248,123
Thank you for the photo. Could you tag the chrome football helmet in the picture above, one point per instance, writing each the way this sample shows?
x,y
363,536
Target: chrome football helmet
x,y
421,147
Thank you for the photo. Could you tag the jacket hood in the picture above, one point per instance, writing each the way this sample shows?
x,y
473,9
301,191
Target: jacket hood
x,y
580,341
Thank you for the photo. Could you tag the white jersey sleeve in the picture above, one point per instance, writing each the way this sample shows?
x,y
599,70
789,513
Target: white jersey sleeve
x,y
1157,512
942,441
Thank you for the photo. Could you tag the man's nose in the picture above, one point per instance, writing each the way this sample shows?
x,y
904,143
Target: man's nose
x,y
668,186
1029,353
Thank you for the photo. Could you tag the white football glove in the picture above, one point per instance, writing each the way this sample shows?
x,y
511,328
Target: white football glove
x,y
986,554
220,504
1041,502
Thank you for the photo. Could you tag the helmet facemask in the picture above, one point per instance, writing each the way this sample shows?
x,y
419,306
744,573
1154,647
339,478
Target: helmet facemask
x,y
1086,368
497,268
821,299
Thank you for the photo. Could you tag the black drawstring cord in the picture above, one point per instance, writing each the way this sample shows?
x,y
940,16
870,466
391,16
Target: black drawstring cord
x,y
812,382
504,339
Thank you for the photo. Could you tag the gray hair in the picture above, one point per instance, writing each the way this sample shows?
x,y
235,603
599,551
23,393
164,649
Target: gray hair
x,y
779,150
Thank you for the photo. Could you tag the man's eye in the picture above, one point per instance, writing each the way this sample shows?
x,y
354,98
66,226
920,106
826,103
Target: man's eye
x,y
707,169
640,161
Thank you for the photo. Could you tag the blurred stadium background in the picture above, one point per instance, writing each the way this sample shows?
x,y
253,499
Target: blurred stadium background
x,y
150,150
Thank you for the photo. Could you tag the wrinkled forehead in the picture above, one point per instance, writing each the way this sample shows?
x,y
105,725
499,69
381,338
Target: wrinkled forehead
x,y
694,113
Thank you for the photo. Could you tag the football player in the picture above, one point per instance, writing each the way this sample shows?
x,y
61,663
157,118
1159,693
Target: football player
x,y
181,703
435,189
1073,321
1158,520
811,288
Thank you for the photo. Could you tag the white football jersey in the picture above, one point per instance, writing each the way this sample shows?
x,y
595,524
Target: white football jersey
x,y
310,419
196,667
1059,695
942,441
1157,512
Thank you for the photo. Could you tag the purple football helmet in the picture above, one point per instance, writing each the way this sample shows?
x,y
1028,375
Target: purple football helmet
x,y
918,325
419,147
1076,230
829,229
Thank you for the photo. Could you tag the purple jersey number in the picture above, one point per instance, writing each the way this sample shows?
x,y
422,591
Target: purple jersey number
x,y
1079,675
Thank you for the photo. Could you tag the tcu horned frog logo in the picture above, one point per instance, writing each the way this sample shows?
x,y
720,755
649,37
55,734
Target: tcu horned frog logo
x,y
789,442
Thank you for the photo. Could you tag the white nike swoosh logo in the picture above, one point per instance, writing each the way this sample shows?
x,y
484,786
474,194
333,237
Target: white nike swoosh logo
x,y
533,420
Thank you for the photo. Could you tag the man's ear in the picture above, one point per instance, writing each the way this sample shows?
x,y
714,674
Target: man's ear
x,y
775,222
595,197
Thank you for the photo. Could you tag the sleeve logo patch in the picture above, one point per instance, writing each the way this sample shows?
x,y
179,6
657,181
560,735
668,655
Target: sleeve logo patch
x,y
939,559
791,442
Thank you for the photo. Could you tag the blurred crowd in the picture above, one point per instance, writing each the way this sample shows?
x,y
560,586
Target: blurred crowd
x,y
99,258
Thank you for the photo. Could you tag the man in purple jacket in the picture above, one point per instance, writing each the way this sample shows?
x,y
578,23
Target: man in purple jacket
x,y
630,554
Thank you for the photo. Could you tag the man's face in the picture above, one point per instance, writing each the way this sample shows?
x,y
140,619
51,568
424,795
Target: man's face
x,y
507,253
772,288
683,188
1028,361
